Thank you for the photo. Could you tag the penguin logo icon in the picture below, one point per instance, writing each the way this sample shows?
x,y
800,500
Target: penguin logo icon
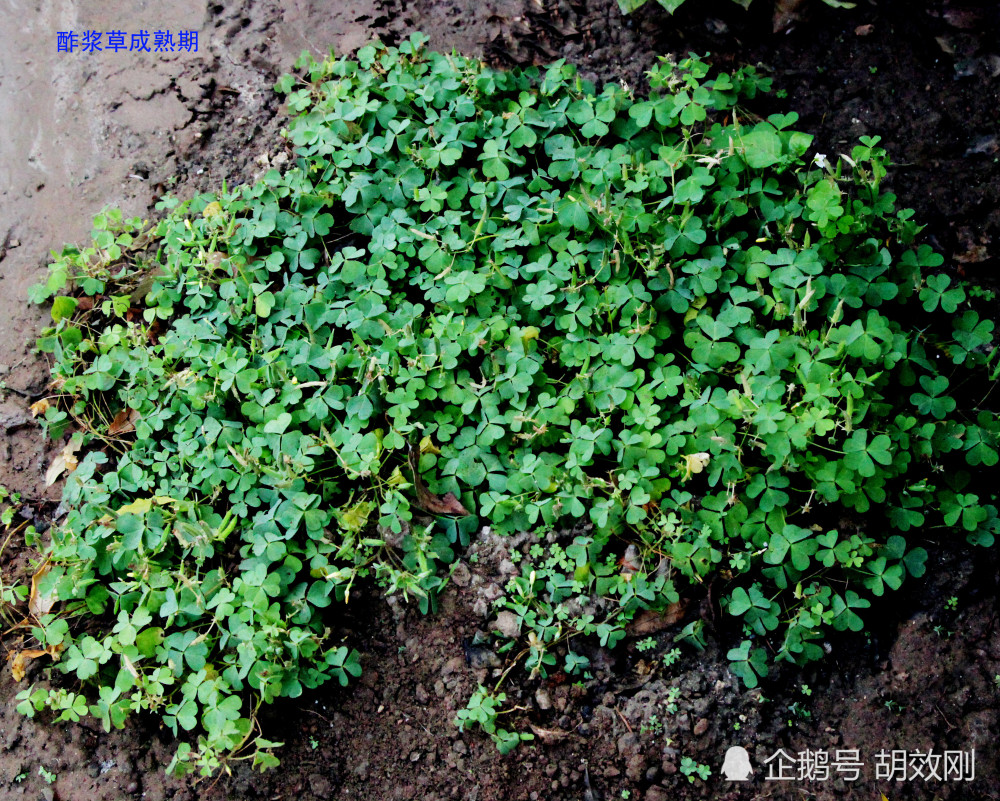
x,y
736,766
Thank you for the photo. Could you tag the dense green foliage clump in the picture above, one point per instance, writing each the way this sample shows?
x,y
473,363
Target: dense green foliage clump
x,y
650,316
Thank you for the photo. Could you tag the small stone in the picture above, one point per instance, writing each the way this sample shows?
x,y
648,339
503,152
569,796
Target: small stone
x,y
421,695
656,793
320,785
543,699
461,575
628,744
635,768
701,727
453,665
508,624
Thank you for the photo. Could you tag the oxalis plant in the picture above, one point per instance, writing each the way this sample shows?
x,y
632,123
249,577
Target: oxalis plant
x,y
496,298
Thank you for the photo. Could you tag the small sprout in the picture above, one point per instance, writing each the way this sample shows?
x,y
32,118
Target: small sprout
x,y
694,770
651,725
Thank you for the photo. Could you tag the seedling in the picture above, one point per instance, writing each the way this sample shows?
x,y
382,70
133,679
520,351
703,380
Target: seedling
x,y
895,707
694,770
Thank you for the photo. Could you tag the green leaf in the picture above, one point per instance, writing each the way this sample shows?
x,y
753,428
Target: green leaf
x,y
63,307
264,303
761,147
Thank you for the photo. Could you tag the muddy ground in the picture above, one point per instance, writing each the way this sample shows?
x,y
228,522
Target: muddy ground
x,y
82,131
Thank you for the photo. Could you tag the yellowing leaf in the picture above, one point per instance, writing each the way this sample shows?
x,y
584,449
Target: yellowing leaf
x,y
213,209
696,305
355,518
427,446
39,407
138,507
694,463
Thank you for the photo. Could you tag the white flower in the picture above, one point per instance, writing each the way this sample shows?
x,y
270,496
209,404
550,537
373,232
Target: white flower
x,y
820,161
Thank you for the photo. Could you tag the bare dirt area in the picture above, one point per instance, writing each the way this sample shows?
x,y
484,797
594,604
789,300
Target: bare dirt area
x,y
84,131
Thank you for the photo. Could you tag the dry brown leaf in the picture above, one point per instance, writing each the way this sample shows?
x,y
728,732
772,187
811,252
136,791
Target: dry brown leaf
x,y
446,504
142,289
39,604
786,14
864,30
19,663
973,250
56,469
124,422
65,461
945,44
630,563
39,407
648,622
548,736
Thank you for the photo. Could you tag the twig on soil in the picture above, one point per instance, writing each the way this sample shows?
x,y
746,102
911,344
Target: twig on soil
x,y
317,714
951,725
627,725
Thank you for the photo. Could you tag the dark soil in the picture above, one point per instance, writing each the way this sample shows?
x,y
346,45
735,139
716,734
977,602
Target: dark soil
x,y
925,677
